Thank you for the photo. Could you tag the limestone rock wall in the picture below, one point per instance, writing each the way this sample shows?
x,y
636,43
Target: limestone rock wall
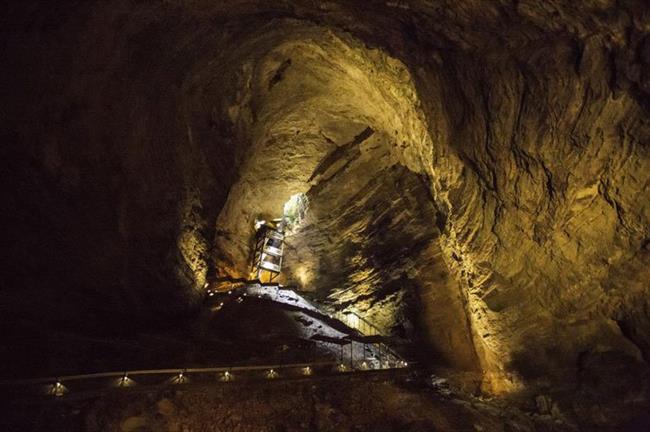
x,y
137,128
538,233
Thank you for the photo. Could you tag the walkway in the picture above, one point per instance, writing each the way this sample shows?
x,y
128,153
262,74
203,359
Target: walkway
x,y
89,385
357,342
358,352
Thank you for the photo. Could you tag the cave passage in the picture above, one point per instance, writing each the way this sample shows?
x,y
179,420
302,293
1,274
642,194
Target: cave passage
x,y
329,153
341,126
198,183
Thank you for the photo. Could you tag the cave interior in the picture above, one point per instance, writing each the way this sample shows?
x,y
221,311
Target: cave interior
x,y
470,177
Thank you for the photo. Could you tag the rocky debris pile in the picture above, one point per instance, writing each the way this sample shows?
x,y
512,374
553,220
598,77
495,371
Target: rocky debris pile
x,y
516,413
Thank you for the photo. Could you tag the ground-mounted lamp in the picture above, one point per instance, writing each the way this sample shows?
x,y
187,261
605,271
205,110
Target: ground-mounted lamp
x,y
181,378
341,367
307,371
124,381
57,389
226,377
272,374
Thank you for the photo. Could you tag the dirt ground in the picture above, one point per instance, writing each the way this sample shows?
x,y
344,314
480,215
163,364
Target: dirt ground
x,y
343,403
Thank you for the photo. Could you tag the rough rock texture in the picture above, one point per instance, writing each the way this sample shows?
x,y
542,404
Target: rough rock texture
x,y
334,404
315,104
144,139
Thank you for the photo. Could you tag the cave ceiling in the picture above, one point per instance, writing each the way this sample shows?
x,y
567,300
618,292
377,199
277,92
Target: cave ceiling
x,y
488,156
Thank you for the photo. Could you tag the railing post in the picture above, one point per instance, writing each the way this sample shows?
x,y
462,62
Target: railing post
x,y
351,353
380,359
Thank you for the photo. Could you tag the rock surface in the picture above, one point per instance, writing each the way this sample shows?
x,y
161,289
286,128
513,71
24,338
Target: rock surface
x,y
335,404
477,171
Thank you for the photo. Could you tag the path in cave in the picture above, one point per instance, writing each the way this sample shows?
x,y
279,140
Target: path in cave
x,y
351,350
356,341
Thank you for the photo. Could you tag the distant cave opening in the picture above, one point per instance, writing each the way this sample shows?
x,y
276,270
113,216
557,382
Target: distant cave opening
x,y
338,128
295,210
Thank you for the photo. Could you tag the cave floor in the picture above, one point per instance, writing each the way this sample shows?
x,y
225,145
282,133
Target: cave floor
x,y
343,403
258,331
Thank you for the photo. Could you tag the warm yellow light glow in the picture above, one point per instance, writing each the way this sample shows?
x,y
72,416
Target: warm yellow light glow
x,y
57,389
259,224
180,379
303,275
124,381
192,245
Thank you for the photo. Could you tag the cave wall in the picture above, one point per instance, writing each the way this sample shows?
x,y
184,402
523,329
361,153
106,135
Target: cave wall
x,y
313,100
113,188
548,204
127,132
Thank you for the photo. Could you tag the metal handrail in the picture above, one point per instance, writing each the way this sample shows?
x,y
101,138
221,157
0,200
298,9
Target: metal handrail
x,y
47,380
396,361
375,330
54,386
343,317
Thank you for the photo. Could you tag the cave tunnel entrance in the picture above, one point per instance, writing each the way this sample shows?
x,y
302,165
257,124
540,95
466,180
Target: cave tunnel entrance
x,y
337,127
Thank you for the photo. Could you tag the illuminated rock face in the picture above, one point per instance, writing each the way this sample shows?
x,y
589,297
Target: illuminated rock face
x,y
477,171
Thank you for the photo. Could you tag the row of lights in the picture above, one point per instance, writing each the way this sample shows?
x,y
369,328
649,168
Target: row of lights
x,y
239,299
341,367
58,389
211,292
